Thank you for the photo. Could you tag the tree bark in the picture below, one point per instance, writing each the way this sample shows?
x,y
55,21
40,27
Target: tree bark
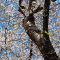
x,y
41,39
48,50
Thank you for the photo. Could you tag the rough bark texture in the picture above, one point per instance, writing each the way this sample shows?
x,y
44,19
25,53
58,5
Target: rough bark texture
x,y
48,50
41,39
42,42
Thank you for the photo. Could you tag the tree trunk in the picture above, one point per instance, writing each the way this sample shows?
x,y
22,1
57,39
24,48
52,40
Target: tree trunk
x,y
48,50
41,39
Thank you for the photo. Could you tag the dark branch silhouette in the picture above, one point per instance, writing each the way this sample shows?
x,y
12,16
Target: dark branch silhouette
x,y
20,10
30,56
48,49
38,9
30,4
20,1
20,4
41,39
53,0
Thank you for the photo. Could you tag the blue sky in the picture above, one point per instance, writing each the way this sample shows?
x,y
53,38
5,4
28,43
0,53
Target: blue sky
x,y
58,1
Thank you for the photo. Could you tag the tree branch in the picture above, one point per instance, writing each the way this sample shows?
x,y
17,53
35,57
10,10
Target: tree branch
x,y
49,51
41,39
38,9
30,4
